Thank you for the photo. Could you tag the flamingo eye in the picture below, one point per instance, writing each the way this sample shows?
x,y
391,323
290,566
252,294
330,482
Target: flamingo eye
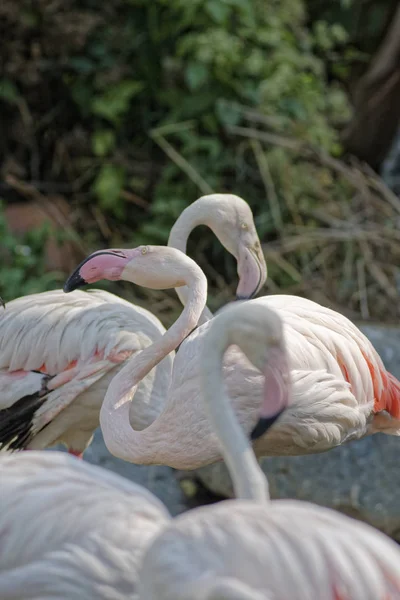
x,y
244,226
144,249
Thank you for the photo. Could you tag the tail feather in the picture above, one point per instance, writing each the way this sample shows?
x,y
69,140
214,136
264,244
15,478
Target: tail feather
x,y
16,421
392,396
387,406
386,389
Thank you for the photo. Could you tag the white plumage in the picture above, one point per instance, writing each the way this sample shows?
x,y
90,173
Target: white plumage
x,y
287,550
59,353
79,341
70,530
341,392
254,549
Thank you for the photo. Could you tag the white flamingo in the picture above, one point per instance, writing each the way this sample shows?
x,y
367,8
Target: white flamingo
x,y
59,353
251,548
69,529
341,388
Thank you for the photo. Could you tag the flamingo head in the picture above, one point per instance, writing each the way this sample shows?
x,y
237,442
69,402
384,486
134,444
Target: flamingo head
x,y
258,331
155,267
231,219
276,393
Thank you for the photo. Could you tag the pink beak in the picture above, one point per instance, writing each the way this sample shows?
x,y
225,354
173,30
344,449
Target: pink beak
x,y
103,264
252,274
276,392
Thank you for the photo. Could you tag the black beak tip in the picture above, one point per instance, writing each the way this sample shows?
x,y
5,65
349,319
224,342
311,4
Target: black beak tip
x,y
263,425
73,282
2,303
249,297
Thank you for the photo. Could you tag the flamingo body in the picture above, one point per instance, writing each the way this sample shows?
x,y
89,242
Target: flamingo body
x,y
240,550
58,355
252,548
341,392
69,529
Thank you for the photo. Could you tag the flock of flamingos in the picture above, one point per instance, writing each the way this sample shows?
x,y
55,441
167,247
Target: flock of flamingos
x,y
276,375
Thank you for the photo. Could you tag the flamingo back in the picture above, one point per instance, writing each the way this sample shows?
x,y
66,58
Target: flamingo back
x,y
287,549
69,529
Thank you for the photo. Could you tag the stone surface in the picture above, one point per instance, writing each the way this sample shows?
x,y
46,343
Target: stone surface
x,y
361,478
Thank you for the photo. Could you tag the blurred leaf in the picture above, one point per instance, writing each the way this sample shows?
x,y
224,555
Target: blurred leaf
x,y
108,185
218,11
196,75
228,113
103,141
8,91
115,101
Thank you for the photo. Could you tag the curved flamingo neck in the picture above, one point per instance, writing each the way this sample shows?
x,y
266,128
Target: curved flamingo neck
x,y
193,216
119,436
249,481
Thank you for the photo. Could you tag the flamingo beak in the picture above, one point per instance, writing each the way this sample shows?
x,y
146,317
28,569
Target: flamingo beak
x,y
104,264
252,272
2,303
74,281
276,392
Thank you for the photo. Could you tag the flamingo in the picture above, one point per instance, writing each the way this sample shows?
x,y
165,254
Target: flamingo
x,y
231,220
251,548
70,529
58,354
341,388
57,358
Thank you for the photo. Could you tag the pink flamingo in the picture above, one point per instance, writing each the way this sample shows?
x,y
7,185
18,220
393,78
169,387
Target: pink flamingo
x,y
251,548
59,353
341,388
71,529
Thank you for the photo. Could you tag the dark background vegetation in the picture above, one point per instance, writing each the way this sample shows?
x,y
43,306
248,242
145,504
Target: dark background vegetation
x,y
115,116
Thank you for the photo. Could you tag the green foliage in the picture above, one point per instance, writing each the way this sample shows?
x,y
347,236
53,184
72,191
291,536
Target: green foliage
x,y
140,107
23,267
107,187
153,65
114,103
232,53
8,91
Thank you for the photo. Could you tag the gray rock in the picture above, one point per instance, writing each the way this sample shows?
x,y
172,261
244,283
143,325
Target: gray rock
x,y
361,478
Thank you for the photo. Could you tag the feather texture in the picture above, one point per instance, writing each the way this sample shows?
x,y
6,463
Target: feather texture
x,y
287,549
335,397
72,345
71,530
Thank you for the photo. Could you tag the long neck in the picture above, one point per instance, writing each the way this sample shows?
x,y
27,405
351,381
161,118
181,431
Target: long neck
x,y
190,218
249,481
123,441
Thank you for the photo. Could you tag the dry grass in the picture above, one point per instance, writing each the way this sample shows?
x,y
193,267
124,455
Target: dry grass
x,y
344,253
